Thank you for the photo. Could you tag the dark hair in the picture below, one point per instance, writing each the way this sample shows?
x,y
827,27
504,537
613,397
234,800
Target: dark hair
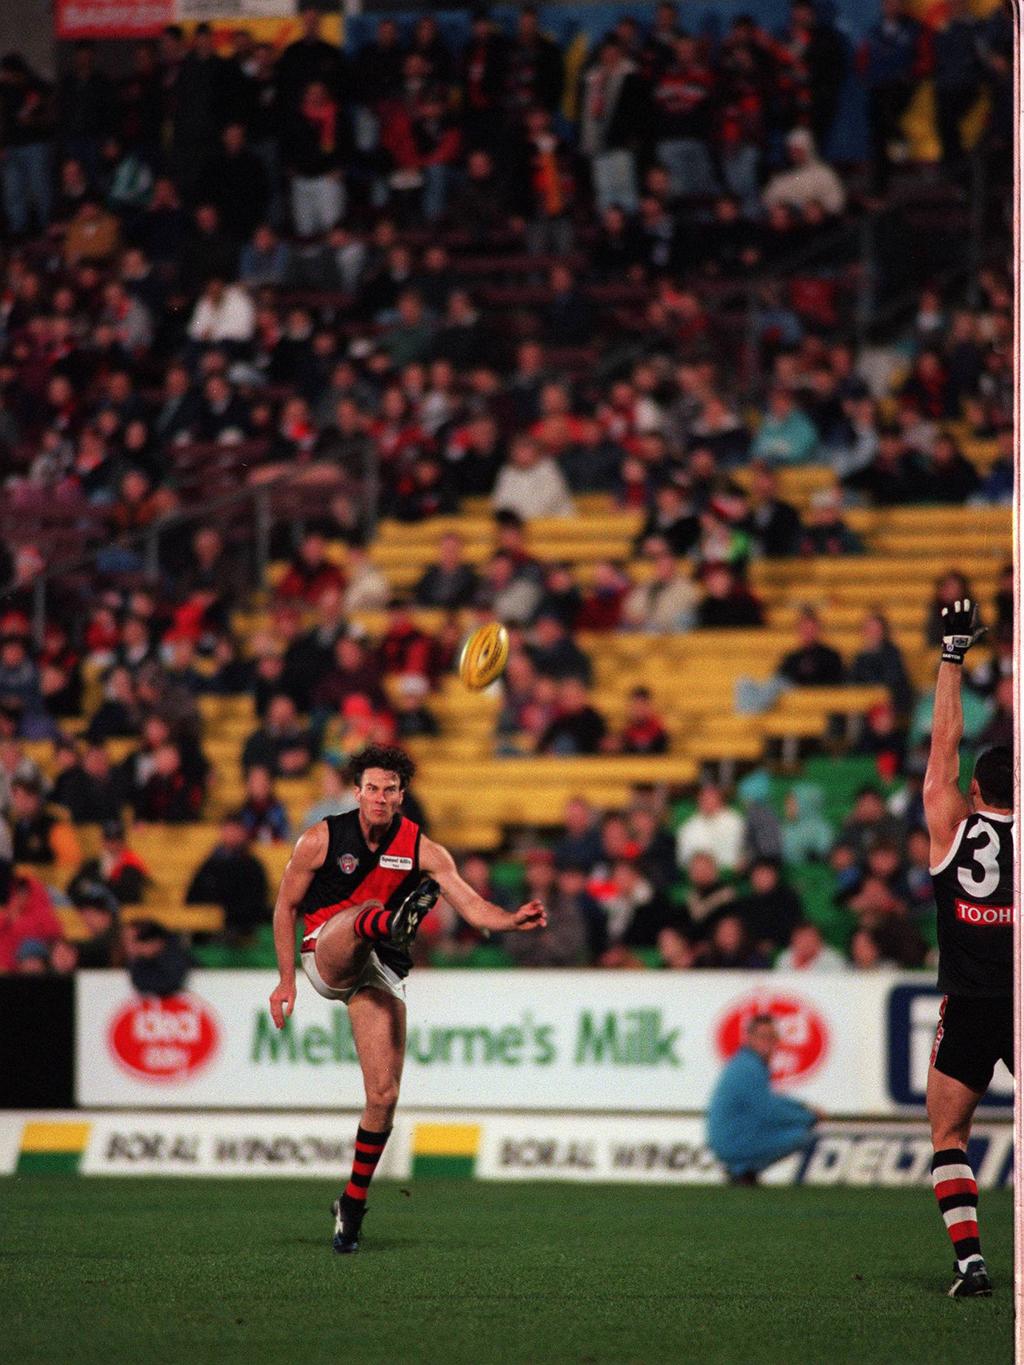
x,y
993,772
386,756
758,1020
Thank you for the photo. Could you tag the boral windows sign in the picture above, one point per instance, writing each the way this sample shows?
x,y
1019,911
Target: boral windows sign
x,y
636,1042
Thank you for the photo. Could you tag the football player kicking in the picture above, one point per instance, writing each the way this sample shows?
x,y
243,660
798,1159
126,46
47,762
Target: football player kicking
x,y
972,856
359,881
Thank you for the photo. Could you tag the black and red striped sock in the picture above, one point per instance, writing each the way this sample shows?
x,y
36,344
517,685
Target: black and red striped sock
x,y
369,1150
957,1193
373,923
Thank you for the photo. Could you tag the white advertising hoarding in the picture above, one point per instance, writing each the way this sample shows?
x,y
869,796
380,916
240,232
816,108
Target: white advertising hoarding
x,y
636,1042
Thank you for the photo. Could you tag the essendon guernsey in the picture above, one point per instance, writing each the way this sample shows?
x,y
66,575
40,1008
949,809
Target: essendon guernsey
x,y
353,872
974,904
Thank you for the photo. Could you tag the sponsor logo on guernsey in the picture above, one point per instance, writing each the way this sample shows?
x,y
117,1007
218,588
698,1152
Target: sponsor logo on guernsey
x,y
968,912
394,863
348,863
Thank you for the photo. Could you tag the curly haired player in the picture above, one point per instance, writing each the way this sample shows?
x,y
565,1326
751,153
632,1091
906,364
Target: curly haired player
x,y
358,881
972,857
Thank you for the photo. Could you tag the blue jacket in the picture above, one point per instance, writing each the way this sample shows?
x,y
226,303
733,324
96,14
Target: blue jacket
x,y
744,1109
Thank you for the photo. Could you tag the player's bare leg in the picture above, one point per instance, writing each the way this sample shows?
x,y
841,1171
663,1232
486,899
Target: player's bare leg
x,y
340,953
951,1106
378,1029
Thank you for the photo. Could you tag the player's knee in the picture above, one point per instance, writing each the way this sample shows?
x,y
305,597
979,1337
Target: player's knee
x,y
383,1095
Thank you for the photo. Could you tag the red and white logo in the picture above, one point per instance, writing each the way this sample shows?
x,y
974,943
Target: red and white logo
x,y
348,863
988,915
164,1040
803,1033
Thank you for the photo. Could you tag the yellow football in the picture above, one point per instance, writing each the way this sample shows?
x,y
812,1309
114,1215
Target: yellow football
x,y
484,656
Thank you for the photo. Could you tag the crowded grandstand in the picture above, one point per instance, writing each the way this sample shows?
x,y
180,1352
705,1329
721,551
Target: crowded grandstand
x,y
313,359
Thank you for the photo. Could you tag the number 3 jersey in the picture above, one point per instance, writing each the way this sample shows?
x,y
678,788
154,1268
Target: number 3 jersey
x,y
974,904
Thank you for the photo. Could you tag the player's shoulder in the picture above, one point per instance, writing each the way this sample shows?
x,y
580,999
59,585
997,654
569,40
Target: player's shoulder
x,y
312,844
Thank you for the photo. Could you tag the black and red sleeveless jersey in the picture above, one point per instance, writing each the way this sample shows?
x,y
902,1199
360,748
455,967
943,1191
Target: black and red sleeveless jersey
x,y
974,904
352,872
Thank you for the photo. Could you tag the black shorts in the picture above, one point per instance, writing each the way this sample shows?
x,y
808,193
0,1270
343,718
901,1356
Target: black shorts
x,y
974,1033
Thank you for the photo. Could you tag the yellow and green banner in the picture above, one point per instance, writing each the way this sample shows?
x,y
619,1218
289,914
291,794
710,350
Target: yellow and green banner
x,y
52,1148
445,1150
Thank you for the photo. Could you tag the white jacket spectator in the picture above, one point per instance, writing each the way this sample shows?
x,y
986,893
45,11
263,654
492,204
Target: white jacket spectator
x,y
808,952
810,181
665,604
224,312
532,485
713,828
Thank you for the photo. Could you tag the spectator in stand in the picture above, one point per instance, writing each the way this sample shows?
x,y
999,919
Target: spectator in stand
x,y
571,914
536,72
762,836
282,744
314,149
158,962
810,181
787,436
773,523
880,663
826,532
949,475
869,823
729,948
310,573
771,909
405,648
224,317
708,896
644,731
335,799
26,915
713,828
672,519
98,911
41,836
666,603
613,125
118,868
892,60
531,484
957,75
808,952
554,653
636,913
683,107
728,603
26,143
263,815
806,834
234,180
813,663
168,796
233,878
577,727
580,843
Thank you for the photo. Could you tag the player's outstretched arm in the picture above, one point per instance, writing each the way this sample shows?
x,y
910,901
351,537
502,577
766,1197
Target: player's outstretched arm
x,y
308,854
436,860
944,803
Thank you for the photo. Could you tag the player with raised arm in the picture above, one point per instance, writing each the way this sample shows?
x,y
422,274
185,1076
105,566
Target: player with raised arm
x,y
359,881
972,856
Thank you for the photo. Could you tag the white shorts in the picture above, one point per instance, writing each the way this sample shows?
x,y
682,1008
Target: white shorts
x,y
375,974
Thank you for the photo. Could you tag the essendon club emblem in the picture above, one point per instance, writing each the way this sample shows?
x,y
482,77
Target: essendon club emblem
x,y
348,863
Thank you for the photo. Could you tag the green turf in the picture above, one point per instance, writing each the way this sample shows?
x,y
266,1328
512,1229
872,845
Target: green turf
x,y
466,1273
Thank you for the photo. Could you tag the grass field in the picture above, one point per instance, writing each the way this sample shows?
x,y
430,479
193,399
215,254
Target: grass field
x,y
203,1271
